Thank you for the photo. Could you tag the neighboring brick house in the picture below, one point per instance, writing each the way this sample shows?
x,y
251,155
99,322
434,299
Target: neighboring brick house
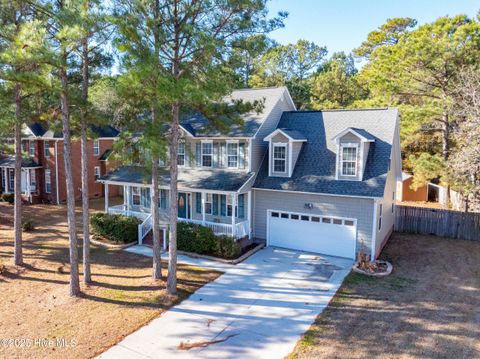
x,y
43,169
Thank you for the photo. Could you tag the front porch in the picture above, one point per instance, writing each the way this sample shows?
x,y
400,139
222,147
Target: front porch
x,y
225,213
30,174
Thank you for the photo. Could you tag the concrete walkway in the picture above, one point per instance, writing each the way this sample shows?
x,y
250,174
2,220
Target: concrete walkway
x,y
257,309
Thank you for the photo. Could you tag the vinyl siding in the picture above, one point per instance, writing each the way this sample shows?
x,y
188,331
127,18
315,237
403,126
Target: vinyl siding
x,y
360,209
296,148
259,147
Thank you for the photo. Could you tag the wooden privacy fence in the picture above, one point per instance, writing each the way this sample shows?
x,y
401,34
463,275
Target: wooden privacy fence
x,y
439,222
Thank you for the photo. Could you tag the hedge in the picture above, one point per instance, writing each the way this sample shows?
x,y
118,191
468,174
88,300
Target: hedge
x,y
200,239
115,227
8,197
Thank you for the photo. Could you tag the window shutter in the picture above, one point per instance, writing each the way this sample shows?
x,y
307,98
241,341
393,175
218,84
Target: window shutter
x,y
216,155
198,201
198,153
241,155
241,206
215,204
223,205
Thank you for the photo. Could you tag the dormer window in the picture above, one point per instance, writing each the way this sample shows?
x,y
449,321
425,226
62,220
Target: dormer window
x,y
349,160
207,154
280,158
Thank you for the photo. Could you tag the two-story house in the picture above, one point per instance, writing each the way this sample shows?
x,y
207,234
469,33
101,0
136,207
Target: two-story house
x,y
43,174
319,181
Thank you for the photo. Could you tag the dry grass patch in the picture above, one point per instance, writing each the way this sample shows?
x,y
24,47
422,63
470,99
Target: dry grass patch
x,y
34,300
427,308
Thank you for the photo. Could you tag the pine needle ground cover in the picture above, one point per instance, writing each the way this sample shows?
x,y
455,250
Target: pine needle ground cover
x,y
34,300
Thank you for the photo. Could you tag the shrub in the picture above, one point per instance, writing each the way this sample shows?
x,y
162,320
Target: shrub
x,y
195,238
115,227
200,239
28,226
8,197
227,248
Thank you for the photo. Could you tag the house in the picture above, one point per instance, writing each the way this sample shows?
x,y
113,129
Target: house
x,y
318,181
43,178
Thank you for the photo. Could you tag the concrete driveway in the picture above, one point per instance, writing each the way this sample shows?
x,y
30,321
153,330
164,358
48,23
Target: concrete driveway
x,y
257,309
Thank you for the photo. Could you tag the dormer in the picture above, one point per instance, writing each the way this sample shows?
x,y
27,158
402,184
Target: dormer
x,y
283,150
353,145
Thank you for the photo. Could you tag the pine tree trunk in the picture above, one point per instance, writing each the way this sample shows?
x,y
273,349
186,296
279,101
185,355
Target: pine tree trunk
x,y
172,263
67,156
157,260
17,219
84,144
446,143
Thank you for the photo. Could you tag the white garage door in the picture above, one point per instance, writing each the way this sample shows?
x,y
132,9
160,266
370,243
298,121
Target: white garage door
x,y
319,234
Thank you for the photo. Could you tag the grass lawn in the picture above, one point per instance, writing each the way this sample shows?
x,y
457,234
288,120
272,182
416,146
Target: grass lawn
x,y
428,308
34,300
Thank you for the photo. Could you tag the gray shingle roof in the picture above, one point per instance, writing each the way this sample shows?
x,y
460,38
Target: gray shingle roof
x,y
105,131
217,180
364,133
9,162
315,168
295,134
198,125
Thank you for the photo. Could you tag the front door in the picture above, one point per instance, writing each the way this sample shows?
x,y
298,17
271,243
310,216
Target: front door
x,y
182,205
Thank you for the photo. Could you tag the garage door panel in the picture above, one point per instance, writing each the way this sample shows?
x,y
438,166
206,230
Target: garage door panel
x,y
307,235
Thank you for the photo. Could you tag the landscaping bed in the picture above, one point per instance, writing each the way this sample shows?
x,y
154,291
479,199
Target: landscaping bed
x,y
427,307
36,303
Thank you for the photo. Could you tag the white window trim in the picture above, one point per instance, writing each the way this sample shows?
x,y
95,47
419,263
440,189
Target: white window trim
x,y
211,154
96,147
46,144
342,147
139,194
49,181
284,145
233,142
96,172
182,154
31,148
210,201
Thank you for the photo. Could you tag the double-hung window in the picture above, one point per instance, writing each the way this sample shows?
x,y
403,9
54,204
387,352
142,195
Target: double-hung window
x,y
280,158
136,196
230,206
232,154
12,179
96,172
46,148
33,180
349,160
48,181
31,148
208,203
181,154
96,147
207,154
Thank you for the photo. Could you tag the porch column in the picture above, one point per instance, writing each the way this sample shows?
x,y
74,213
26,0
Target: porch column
x,y
5,177
106,197
128,198
203,195
28,189
249,213
234,204
164,238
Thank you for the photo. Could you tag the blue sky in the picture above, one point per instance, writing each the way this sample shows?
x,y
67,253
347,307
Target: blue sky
x,y
342,25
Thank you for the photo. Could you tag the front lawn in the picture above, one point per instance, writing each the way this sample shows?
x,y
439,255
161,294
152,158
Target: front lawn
x,y
427,308
34,301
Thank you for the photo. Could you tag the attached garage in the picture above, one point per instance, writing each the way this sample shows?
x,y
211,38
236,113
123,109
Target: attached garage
x,y
311,233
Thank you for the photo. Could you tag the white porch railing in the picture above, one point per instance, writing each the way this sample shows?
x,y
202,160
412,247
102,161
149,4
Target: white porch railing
x,y
121,209
242,229
144,228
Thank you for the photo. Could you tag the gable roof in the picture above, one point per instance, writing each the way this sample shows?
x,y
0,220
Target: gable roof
x,y
292,135
359,132
315,167
41,129
197,125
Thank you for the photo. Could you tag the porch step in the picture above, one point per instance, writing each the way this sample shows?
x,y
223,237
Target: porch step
x,y
148,240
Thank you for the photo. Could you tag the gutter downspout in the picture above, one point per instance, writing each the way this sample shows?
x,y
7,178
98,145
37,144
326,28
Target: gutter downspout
x,y
374,231
56,171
